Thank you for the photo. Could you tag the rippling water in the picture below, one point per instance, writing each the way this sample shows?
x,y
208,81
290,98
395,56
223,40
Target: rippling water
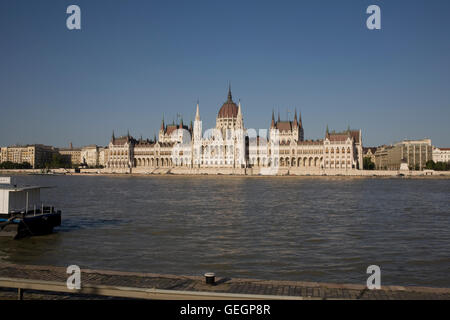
x,y
290,228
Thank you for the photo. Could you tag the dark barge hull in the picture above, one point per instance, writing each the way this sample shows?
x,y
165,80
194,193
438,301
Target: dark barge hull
x,y
30,225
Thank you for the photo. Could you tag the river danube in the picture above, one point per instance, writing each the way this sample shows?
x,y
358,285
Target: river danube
x,y
286,228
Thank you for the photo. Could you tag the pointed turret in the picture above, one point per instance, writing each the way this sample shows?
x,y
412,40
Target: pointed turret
x,y
162,124
197,113
113,137
196,130
300,124
327,133
278,116
272,124
295,119
230,97
239,120
181,124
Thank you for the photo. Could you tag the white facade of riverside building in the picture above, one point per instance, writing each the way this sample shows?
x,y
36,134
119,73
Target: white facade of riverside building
x,y
230,145
441,154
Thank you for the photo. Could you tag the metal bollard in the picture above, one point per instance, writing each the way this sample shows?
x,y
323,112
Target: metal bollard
x,y
19,294
210,278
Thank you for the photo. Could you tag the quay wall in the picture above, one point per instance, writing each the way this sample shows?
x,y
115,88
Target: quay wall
x,y
164,286
255,171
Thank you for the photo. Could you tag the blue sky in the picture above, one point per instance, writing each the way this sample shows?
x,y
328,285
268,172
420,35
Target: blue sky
x,y
134,61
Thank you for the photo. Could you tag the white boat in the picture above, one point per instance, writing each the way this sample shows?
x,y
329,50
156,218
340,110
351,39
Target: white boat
x,y
22,213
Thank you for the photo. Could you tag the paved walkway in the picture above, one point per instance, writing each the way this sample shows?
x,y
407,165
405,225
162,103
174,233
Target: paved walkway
x,y
307,290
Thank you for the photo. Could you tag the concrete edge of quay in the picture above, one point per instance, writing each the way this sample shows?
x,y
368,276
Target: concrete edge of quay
x,y
253,172
167,286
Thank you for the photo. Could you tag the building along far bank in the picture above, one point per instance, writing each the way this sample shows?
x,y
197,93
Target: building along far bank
x,y
37,155
233,147
412,153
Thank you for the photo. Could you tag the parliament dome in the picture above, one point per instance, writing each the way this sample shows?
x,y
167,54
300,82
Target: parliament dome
x,y
229,109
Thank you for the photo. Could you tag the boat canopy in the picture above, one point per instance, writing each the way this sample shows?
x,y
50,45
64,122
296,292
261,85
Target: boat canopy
x,y
17,199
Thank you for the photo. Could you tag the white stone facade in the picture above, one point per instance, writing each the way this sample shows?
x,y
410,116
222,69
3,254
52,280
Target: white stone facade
x,y
441,154
121,152
231,146
343,150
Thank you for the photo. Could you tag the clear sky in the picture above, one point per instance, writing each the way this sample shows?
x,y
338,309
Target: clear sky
x,y
134,61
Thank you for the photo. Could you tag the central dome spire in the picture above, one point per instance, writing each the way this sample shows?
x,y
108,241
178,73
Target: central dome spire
x,y
230,98
229,108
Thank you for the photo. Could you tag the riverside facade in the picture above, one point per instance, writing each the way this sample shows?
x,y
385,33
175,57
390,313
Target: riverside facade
x,y
231,146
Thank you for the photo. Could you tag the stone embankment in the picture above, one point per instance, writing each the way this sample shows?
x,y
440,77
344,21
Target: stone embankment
x,y
283,171
160,286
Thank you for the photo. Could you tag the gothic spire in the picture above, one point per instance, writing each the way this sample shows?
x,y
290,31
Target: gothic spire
x,y
197,113
230,98
295,118
162,124
272,124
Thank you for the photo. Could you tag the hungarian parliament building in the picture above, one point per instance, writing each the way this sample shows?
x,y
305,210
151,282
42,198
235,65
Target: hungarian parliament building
x,y
231,145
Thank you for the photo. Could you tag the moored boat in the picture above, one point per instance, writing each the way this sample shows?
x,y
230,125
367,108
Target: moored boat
x,y
22,213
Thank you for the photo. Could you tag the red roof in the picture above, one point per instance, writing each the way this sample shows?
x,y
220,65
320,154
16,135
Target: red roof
x,y
229,110
283,125
171,128
310,142
338,136
355,135
342,136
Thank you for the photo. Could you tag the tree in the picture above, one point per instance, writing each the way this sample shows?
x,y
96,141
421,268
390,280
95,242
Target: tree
x,y
442,166
430,165
13,165
438,166
58,161
368,164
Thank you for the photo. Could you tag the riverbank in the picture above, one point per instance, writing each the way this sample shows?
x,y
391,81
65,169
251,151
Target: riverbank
x,y
249,172
106,283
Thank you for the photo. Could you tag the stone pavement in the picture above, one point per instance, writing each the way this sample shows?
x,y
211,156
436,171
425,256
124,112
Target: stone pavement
x,y
307,290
